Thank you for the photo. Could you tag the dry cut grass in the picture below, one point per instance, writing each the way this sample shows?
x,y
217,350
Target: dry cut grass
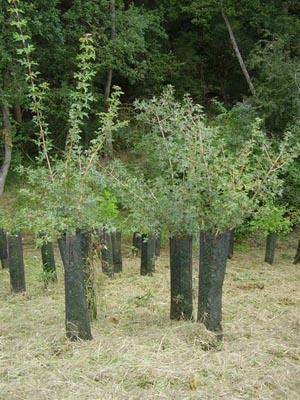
x,y
138,353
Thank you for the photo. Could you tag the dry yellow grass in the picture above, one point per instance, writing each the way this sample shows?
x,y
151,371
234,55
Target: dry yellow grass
x,y
138,353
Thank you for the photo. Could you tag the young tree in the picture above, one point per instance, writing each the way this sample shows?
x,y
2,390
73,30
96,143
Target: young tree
x,y
205,185
61,192
271,221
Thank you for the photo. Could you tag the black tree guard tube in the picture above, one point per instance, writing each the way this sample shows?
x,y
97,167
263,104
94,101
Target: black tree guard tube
x,y
3,249
212,266
107,253
270,247
147,255
16,263
181,268
77,316
137,242
297,255
62,248
88,273
117,251
48,259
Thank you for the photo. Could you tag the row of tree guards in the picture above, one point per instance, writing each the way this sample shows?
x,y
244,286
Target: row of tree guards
x,y
78,252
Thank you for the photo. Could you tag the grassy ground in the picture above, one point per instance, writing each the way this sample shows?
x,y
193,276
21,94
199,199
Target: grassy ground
x,y
138,353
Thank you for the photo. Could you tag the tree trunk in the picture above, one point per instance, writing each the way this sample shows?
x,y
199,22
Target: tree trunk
x,y
212,266
238,54
107,254
88,274
7,148
18,113
147,255
231,244
77,315
270,247
181,268
112,10
108,83
3,250
48,259
16,263
117,251
297,255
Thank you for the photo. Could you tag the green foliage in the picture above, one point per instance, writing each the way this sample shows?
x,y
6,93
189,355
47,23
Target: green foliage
x,y
235,125
202,183
277,82
65,194
146,43
291,189
136,197
47,277
108,208
127,39
271,219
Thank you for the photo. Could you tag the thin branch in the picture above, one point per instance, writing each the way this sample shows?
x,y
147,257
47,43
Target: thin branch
x,y
38,113
126,186
92,156
274,167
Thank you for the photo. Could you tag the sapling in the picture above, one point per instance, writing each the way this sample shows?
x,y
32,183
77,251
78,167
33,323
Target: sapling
x,y
64,193
270,221
204,186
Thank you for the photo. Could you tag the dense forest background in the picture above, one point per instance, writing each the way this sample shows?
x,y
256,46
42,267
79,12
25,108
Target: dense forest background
x,y
144,45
